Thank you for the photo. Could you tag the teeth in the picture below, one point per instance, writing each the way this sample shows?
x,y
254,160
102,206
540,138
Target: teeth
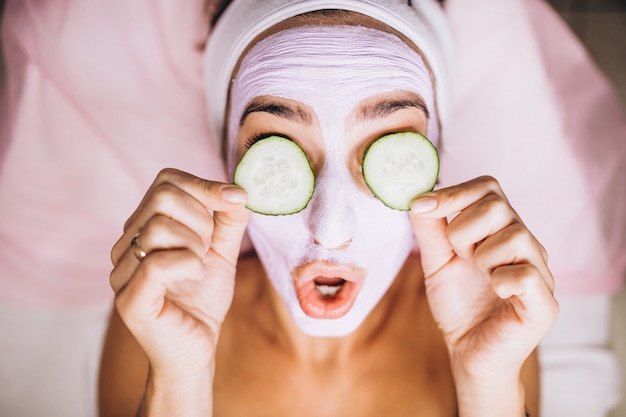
x,y
328,290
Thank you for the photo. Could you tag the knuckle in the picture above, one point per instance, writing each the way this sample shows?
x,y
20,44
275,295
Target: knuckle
x,y
459,242
447,193
450,195
531,279
168,175
544,253
524,242
113,280
208,188
164,197
115,256
555,309
116,252
496,206
518,234
156,228
231,219
489,182
127,223
528,275
483,260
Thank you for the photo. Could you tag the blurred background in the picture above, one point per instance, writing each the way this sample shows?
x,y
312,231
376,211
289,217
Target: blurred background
x,y
601,25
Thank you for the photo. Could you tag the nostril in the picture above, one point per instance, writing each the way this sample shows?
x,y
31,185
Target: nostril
x,y
340,246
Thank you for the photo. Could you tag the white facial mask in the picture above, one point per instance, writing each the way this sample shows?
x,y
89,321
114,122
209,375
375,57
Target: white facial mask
x,y
331,69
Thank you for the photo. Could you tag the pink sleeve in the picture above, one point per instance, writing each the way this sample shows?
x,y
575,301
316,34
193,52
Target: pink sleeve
x,y
99,98
533,110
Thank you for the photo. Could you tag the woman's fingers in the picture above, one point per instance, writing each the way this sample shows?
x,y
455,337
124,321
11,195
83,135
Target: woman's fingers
x,y
510,246
517,266
482,219
144,297
162,232
228,233
159,233
448,201
483,225
210,194
187,199
529,292
467,203
432,240
169,202
181,211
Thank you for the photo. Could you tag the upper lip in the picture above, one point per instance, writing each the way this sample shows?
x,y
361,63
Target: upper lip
x,y
314,269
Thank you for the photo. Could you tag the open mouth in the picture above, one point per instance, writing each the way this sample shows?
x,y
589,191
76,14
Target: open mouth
x,y
328,287
327,290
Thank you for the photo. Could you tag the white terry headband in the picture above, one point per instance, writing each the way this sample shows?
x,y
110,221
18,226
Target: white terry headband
x,y
421,21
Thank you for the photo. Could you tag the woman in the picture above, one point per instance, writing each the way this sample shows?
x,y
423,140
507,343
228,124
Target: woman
x,y
449,329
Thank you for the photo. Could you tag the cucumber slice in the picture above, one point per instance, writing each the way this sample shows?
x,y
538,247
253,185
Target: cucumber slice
x,y
277,176
400,166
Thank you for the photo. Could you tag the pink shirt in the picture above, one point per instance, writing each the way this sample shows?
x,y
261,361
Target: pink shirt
x,y
100,97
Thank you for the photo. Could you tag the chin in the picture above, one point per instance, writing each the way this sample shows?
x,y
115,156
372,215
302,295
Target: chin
x,y
337,327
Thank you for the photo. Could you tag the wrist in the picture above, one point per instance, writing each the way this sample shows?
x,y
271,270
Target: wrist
x,y
497,396
174,393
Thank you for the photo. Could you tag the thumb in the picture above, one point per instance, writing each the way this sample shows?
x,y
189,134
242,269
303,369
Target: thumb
x,y
432,240
228,232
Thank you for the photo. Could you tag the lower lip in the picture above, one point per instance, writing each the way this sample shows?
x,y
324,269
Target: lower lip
x,y
318,306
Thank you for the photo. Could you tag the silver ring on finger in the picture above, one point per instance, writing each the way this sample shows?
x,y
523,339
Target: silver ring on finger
x,y
137,250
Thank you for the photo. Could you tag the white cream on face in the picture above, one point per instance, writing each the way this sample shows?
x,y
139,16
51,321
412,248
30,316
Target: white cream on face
x,y
331,70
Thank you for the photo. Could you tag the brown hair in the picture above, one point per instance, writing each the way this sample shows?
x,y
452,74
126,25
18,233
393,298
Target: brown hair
x,y
215,8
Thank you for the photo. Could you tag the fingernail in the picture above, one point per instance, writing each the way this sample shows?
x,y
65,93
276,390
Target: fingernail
x,y
234,194
424,205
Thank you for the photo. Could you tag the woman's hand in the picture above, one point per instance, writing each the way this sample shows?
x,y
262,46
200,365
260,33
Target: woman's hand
x,y
174,287
487,282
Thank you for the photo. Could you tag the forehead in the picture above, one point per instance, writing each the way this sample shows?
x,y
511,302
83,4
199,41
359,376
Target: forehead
x,y
336,66
327,18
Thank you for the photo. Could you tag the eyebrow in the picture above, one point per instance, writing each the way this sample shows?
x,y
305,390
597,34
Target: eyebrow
x,y
384,108
290,112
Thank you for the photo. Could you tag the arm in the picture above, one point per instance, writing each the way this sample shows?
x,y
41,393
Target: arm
x,y
532,384
123,371
127,387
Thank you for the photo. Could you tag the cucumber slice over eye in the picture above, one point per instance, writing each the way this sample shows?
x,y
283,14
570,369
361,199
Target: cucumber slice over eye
x,y
277,176
400,166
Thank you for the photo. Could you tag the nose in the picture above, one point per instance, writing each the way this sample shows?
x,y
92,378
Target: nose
x,y
332,219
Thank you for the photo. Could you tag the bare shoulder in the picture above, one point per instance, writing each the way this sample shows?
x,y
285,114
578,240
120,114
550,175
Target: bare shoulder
x,y
123,371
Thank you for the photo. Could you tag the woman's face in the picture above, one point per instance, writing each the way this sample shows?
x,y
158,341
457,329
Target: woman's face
x,y
333,91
